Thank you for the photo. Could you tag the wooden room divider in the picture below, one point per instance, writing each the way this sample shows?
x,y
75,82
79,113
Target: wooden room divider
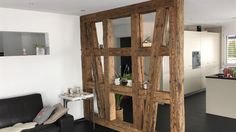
x,y
167,41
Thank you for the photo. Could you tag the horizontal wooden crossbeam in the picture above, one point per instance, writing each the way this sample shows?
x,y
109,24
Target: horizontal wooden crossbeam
x,y
117,125
122,90
160,96
145,7
164,51
91,85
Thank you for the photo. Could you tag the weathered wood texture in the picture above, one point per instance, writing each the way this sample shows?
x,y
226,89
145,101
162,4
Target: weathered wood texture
x,y
164,51
86,67
97,68
155,69
145,7
137,70
110,110
116,125
177,66
167,41
123,90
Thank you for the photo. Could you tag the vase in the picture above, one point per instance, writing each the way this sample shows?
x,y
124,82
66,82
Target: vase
x,y
40,51
117,81
119,114
129,83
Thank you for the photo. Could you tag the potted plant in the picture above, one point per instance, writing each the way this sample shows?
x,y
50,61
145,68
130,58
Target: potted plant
x,y
40,48
119,109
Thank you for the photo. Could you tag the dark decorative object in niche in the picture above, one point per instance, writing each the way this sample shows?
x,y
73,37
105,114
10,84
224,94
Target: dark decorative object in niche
x,y
199,28
1,53
196,59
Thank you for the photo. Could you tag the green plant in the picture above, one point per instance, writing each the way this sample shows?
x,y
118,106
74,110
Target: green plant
x,y
127,76
126,73
119,98
39,45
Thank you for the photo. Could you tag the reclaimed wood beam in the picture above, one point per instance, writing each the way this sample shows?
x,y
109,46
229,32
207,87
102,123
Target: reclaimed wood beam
x,y
155,69
144,7
177,117
86,67
160,96
123,90
137,70
109,72
97,68
126,52
117,125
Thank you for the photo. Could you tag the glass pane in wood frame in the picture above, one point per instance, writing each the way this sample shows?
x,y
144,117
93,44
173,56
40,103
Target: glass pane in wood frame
x,y
121,28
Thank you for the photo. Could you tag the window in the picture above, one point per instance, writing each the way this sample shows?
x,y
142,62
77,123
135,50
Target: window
x,y
231,49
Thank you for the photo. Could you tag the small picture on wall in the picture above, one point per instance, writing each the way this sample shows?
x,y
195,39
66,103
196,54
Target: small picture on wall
x,y
196,59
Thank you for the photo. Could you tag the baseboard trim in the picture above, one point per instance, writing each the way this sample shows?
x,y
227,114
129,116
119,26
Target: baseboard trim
x,y
80,120
195,92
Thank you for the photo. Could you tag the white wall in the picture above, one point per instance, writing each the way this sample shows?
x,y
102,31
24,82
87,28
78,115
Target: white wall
x,y
49,75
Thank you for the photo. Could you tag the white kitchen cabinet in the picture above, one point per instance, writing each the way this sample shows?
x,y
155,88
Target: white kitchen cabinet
x,y
209,46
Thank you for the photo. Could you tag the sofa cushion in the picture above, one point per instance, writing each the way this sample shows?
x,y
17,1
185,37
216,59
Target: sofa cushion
x,y
19,109
44,114
45,128
58,113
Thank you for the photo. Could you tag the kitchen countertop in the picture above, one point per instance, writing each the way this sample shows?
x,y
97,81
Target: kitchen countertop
x,y
219,76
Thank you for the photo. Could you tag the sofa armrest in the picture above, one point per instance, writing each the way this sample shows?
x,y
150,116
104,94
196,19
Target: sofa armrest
x,y
66,123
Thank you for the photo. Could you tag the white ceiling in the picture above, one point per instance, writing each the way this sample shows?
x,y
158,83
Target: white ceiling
x,y
209,11
204,12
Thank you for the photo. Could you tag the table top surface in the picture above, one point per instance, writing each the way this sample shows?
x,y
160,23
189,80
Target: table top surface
x,y
76,96
220,76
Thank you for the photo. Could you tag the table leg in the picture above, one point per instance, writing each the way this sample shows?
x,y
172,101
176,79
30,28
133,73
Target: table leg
x,y
65,103
92,99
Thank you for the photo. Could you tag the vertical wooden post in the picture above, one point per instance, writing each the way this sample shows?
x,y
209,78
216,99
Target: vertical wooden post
x,y
137,70
86,68
155,69
97,68
176,67
109,72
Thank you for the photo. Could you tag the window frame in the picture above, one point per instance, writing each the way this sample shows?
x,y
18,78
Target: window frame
x,y
226,50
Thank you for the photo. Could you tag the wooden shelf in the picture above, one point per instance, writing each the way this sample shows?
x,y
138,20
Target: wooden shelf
x,y
123,90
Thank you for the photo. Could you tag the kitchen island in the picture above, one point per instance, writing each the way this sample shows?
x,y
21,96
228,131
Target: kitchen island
x,y
221,96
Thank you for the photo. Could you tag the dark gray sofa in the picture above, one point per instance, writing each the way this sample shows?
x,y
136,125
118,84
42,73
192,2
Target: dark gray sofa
x,y
24,109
